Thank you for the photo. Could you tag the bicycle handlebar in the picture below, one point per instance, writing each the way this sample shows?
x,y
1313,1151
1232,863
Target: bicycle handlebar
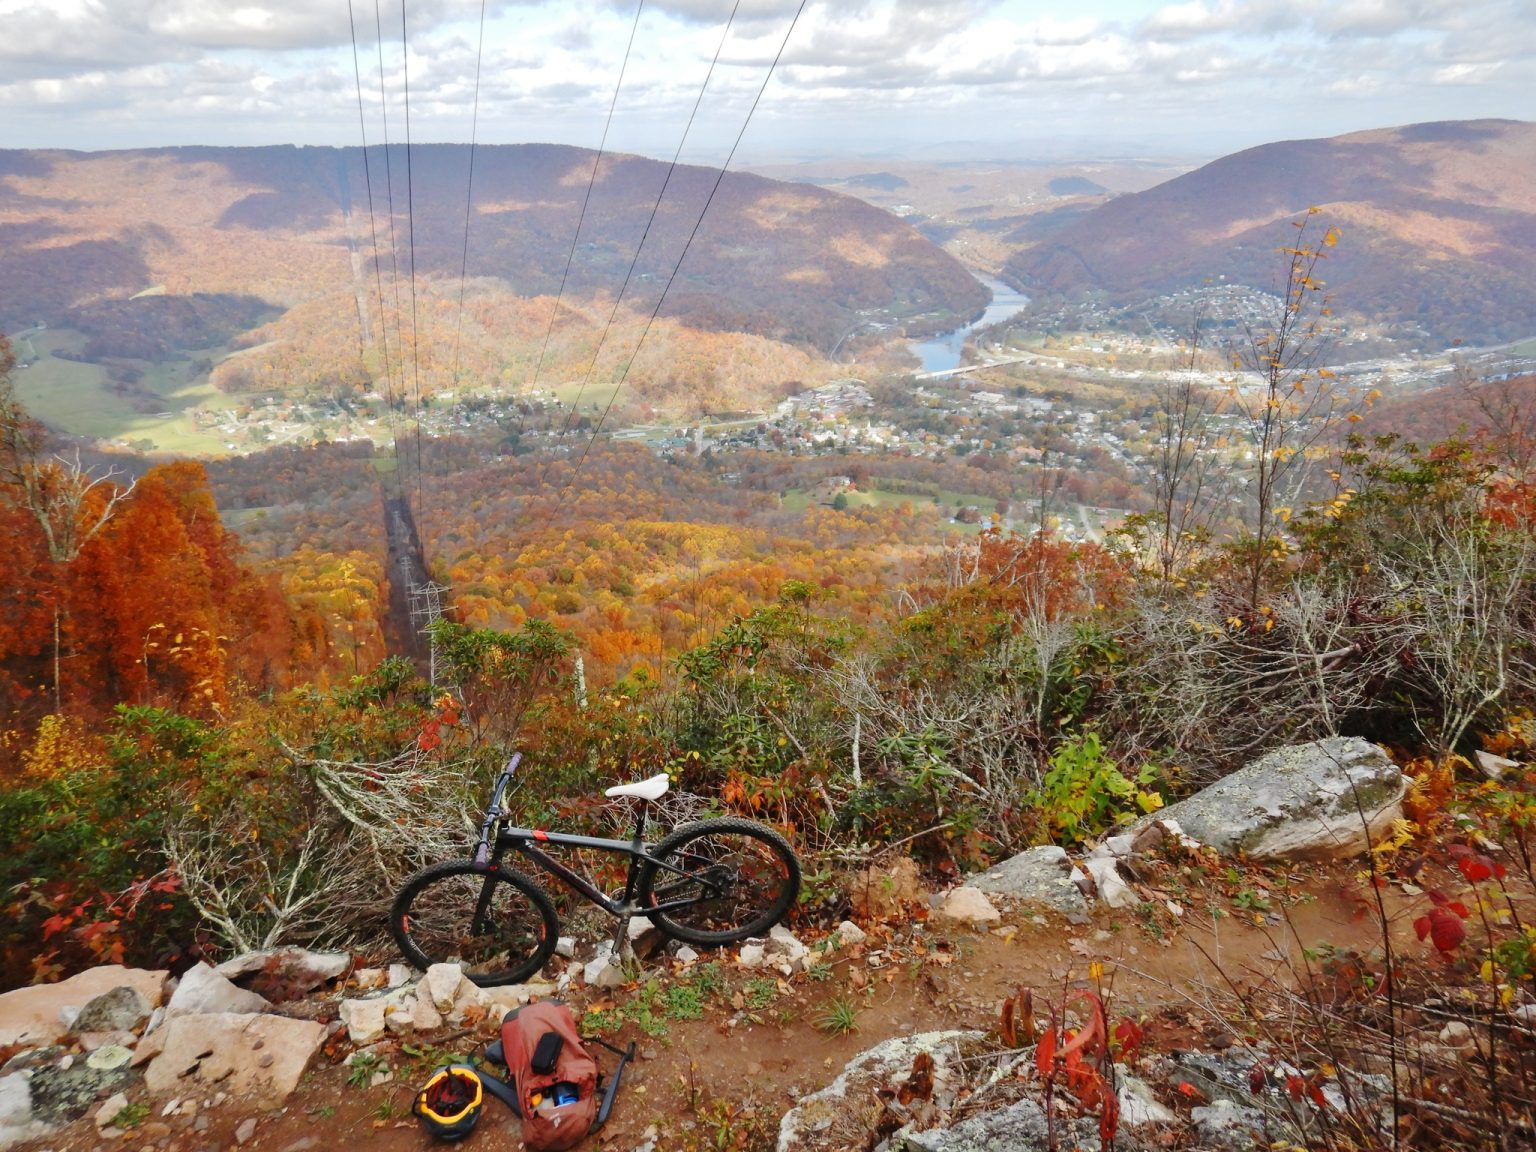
x,y
495,812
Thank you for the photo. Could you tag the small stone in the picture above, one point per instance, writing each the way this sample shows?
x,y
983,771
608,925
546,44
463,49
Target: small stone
x,y
110,1108
649,1053
441,985
369,977
1494,767
245,1130
155,1130
686,955
751,955
969,905
265,1061
565,946
1457,1035
848,934
400,974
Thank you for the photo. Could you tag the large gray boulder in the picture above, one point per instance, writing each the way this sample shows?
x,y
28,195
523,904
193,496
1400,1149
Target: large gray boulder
x,y
1328,800
1038,876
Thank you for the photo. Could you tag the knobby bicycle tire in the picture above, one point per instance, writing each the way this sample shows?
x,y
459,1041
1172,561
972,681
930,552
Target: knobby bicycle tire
x,y
433,920
741,876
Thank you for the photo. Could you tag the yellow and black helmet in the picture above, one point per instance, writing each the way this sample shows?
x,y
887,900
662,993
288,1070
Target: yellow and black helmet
x,y
449,1104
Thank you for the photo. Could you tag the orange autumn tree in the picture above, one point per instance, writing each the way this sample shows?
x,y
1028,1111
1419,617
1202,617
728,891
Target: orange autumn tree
x,y
162,609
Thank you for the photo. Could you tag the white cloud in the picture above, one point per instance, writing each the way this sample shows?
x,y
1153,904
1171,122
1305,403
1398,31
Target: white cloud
x,y
75,72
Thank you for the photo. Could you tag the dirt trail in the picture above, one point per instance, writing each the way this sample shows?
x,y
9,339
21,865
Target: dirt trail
x,y
722,1081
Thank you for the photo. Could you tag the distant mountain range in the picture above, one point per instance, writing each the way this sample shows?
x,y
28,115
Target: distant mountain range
x,y
287,225
1438,223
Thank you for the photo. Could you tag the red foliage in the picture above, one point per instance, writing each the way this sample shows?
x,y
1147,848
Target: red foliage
x,y
1442,925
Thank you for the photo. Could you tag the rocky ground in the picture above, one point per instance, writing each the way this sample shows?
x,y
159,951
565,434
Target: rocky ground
x,y
1201,969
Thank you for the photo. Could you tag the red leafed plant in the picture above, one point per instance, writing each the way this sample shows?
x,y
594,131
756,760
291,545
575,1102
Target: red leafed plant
x,y
1474,865
1442,924
1081,1059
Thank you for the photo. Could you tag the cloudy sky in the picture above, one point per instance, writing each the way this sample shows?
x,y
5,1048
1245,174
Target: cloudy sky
x,y
924,78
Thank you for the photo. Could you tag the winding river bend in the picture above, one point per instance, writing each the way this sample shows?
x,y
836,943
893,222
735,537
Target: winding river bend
x,y
943,352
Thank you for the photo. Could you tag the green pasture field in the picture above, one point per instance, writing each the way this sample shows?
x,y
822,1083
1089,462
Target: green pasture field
x,y
799,499
71,397
600,395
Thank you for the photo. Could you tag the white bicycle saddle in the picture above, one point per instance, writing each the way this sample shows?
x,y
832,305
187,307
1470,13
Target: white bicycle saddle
x,y
653,789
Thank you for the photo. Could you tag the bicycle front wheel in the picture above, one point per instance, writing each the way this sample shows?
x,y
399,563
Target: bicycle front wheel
x,y
720,881
497,924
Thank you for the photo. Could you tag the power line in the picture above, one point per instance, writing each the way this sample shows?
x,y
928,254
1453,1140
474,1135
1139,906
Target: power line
x,y
410,216
603,418
373,231
394,247
591,180
651,220
469,194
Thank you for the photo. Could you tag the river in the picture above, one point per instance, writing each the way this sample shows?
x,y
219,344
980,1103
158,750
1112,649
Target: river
x,y
943,352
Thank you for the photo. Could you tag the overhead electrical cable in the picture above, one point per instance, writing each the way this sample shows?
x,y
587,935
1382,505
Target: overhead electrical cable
x,y
373,232
394,247
469,197
587,198
410,217
671,279
651,220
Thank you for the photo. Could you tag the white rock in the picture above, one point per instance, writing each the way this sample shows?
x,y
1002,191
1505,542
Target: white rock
x,y
1042,875
398,1018
604,971
685,955
472,998
751,955
1493,766
245,1130
203,991
441,985
1139,1104
969,905
366,978
565,947
504,1000
400,974
17,1123
109,1109
1113,889
848,934
364,1019
424,1015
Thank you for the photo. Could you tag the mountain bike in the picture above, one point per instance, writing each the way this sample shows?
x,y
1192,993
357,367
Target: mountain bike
x,y
712,882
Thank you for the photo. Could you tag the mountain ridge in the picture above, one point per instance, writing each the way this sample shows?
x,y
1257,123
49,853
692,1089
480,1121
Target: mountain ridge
x,y
1439,224
774,259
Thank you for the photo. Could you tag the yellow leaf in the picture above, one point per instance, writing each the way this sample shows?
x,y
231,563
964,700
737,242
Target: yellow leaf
x,y
1331,237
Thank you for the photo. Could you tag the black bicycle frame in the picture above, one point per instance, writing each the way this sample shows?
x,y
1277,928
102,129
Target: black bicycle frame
x,y
526,841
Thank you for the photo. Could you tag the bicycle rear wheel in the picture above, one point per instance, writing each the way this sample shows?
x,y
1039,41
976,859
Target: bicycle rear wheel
x,y
497,924
725,880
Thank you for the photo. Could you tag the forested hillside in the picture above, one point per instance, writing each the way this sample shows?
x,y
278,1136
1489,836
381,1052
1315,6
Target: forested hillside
x,y
1440,217
325,278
